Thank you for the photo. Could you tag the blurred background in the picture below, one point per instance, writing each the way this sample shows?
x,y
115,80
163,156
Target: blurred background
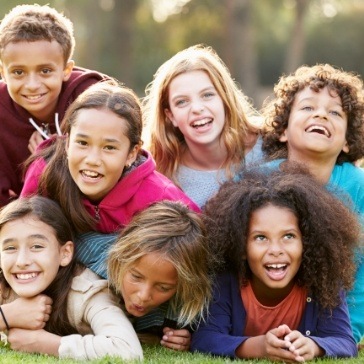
x,y
258,40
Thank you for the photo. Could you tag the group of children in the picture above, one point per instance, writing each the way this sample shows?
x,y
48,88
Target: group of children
x,y
221,235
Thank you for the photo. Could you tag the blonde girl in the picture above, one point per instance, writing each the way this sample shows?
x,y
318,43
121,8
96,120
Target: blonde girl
x,y
198,122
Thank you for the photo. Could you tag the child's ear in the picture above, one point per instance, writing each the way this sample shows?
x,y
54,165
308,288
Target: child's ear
x,y
2,72
66,253
346,147
169,115
283,137
132,156
68,70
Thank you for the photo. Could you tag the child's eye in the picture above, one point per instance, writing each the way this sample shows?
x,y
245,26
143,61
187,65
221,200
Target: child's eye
x,y
180,102
208,95
18,72
81,142
259,237
110,147
9,248
37,246
336,113
289,236
46,71
135,277
165,289
307,108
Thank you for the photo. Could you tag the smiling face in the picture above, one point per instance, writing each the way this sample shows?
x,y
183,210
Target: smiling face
x,y
98,150
31,255
151,281
274,252
196,108
34,73
316,127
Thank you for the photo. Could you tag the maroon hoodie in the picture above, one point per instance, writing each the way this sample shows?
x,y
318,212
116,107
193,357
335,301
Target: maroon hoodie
x,y
16,130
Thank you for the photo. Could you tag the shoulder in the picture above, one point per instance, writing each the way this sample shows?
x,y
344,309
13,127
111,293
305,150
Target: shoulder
x,y
88,282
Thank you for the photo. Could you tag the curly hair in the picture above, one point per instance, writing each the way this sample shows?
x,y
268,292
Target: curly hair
x,y
31,23
179,236
329,229
166,142
348,86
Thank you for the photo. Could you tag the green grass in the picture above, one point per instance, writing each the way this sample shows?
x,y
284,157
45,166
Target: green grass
x,y
152,355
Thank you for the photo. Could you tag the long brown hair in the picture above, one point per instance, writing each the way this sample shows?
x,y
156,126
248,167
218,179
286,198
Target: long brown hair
x,y
51,214
56,181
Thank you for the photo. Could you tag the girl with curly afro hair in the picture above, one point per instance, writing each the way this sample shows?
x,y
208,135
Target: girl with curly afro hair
x,y
287,244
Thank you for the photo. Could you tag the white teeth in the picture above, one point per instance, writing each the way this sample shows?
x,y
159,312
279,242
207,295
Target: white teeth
x,y
276,266
25,276
34,97
318,127
90,174
201,122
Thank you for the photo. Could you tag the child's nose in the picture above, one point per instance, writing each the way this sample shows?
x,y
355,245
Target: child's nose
x,y
145,293
197,106
321,113
33,81
275,248
23,259
93,157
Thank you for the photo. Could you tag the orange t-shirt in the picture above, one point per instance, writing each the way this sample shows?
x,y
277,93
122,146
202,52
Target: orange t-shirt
x,y
260,319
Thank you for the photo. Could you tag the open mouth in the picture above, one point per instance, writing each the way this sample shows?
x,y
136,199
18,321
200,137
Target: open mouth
x,y
318,129
34,97
200,123
91,174
276,267
25,276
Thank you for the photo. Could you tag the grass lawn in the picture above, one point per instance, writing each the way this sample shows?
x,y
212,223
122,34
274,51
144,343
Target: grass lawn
x,y
152,355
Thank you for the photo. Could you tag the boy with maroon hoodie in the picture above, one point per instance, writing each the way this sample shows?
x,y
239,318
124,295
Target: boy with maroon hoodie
x,y
39,81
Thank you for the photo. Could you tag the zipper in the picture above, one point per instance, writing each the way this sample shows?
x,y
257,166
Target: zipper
x,y
97,213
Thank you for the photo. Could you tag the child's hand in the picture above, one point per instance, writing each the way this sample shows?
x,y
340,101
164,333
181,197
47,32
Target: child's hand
x,y
176,339
28,313
34,341
302,347
34,141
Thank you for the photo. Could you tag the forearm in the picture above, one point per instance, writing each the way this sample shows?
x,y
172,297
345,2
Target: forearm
x,y
47,344
251,348
34,341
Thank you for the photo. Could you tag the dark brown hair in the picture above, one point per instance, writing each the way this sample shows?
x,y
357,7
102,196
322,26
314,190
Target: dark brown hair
x,y
347,86
51,214
329,229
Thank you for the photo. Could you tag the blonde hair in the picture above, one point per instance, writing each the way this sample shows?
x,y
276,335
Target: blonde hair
x,y
178,235
166,142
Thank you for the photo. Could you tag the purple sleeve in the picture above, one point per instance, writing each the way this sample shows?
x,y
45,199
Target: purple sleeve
x,y
334,333
222,332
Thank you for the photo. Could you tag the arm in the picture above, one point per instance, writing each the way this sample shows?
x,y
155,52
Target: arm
x,y
355,298
105,328
333,332
32,177
27,313
222,332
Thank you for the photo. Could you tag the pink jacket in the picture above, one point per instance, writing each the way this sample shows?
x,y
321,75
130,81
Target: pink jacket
x,y
16,130
133,193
